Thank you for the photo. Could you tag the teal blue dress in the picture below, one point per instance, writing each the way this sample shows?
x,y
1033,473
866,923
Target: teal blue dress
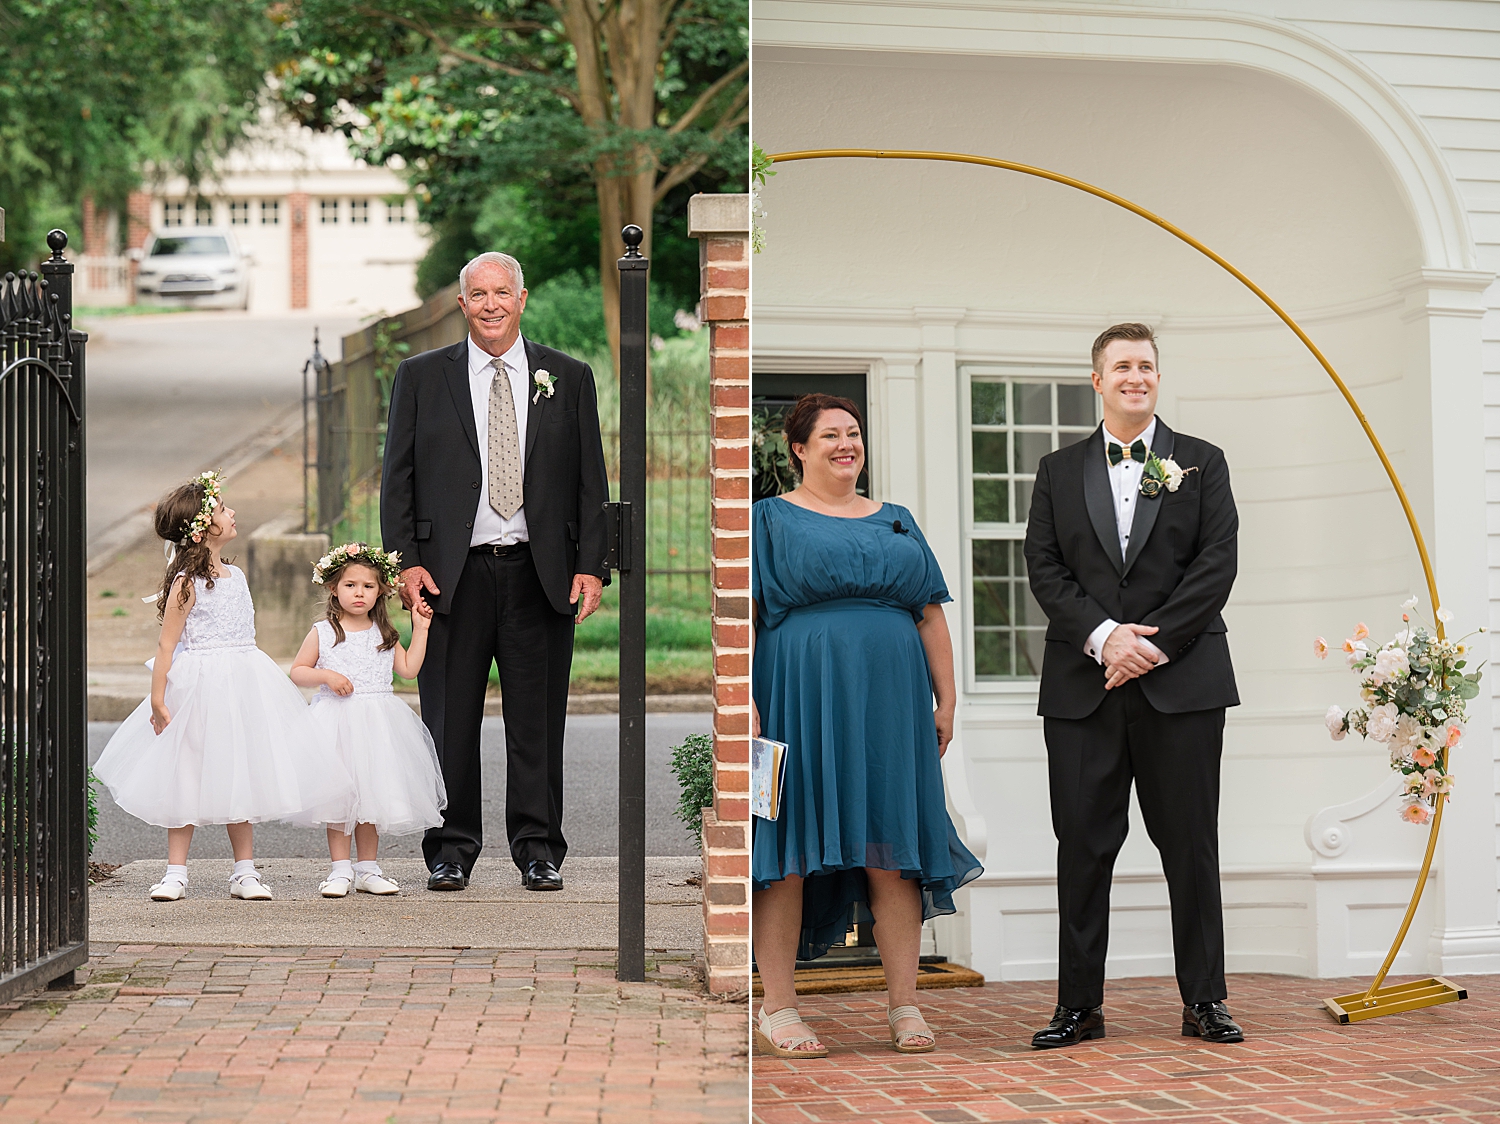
x,y
841,676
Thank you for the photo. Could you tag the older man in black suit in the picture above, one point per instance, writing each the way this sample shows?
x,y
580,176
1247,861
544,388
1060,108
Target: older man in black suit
x,y
493,492
1131,550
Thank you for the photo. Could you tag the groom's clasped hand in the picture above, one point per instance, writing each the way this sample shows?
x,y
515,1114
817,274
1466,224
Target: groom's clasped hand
x,y
1127,654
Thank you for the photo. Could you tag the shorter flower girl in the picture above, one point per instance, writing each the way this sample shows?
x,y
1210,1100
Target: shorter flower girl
x,y
349,657
225,737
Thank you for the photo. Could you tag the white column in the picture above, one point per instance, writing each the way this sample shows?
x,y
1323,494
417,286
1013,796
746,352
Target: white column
x,y
1444,308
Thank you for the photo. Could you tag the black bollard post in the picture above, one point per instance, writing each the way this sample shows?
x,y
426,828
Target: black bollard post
x,y
632,555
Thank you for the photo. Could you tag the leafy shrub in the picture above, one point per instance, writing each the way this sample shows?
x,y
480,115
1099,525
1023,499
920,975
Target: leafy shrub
x,y
693,766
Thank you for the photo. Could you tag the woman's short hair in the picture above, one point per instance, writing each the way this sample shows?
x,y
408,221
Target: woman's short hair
x,y
512,267
803,419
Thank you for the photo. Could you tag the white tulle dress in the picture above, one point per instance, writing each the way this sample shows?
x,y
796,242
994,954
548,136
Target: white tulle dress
x,y
397,781
241,744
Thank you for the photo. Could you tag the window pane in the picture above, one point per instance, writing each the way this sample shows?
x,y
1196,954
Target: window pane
x,y
1030,449
1023,500
1027,610
991,501
992,603
1075,403
990,452
1033,403
1071,437
992,558
992,654
1030,644
987,402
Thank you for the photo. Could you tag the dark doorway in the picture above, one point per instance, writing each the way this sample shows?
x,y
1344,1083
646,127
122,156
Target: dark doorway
x,y
771,397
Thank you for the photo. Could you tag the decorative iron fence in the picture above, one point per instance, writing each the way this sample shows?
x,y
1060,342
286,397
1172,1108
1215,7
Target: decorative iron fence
x,y
43,732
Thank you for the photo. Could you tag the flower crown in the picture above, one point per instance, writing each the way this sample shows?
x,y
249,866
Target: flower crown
x,y
212,483
388,566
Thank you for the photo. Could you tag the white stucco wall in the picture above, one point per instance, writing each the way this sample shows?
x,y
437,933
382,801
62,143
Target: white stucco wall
x,y
1291,156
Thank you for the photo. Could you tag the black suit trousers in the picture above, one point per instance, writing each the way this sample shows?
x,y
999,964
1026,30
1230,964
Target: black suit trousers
x,y
500,613
1174,761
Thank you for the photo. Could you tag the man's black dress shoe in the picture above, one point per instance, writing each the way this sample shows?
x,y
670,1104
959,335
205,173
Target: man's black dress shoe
x,y
1069,1026
541,875
447,876
1210,1022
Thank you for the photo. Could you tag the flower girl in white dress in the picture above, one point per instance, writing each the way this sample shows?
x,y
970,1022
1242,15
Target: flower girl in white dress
x,y
349,657
225,737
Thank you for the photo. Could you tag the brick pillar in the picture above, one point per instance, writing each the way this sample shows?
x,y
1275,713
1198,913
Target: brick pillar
x,y
95,229
137,228
298,203
721,223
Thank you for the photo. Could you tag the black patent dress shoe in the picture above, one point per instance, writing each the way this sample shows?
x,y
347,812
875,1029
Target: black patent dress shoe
x,y
447,876
541,875
1210,1022
1070,1026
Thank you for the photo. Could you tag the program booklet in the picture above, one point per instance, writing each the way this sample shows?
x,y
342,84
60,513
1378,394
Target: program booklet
x,y
767,774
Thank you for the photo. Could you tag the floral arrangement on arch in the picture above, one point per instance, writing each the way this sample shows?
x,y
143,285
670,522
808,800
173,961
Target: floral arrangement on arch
x,y
1414,693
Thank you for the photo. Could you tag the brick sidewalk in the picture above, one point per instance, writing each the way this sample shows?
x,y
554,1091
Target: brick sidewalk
x,y
170,1033
1437,1065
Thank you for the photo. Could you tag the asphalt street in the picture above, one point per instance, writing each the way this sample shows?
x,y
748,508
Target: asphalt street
x,y
590,797
170,394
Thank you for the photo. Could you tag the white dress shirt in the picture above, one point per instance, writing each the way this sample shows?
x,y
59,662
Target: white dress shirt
x,y
489,527
1125,483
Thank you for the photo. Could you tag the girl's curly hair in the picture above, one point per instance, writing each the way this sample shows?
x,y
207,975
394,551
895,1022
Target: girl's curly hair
x,y
174,519
378,611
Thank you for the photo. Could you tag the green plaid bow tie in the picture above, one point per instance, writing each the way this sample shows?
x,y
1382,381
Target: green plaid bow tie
x,y
1136,452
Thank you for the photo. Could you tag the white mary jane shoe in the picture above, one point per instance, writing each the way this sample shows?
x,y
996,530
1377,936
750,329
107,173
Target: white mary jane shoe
x,y
334,886
168,891
375,884
249,887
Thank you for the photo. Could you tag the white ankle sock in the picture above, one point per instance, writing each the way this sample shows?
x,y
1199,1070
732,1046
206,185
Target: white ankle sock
x,y
368,866
176,874
244,868
341,868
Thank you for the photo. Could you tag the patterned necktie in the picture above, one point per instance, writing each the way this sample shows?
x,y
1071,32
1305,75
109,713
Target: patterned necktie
x,y
1135,452
505,447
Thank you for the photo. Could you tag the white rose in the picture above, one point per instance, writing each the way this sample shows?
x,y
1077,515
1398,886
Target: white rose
x,y
1408,733
1398,754
1173,473
1381,724
1334,720
1392,662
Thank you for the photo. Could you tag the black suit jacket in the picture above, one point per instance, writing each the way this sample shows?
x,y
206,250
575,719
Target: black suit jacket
x,y
1177,575
429,491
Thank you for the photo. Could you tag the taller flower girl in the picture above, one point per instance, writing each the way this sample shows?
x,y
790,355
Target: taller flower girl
x,y
225,737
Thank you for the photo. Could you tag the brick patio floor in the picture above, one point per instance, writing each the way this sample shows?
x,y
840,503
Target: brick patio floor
x,y
1437,1065
168,1033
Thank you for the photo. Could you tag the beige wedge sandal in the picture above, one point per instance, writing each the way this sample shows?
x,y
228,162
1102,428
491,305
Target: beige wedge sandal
x,y
901,1039
780,1020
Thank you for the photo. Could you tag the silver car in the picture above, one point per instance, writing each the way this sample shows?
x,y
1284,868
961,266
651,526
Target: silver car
x,y
199,267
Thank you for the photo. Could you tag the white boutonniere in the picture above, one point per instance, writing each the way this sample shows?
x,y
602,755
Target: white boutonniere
x,y
545,383
1161,474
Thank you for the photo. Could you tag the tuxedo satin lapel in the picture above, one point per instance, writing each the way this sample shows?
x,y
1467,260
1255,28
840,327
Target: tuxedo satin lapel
x,y
1099,499
533,409
458,386
1146,510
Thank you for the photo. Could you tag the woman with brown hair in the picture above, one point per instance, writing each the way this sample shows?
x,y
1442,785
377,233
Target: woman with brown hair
x,y
851,651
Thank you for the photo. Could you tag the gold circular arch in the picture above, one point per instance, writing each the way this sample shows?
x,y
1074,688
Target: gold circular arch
x,y
1372,1002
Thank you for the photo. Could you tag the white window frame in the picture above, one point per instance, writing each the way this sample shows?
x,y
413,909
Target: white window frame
x,y
239,212
270,212
359,212
1059,371
174,212
326,207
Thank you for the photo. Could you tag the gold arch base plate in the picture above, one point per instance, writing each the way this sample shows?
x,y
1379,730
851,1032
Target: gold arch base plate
x,y
1394,999
1377,1000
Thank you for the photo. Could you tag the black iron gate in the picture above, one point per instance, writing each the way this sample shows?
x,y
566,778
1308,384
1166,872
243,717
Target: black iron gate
x,y
43,731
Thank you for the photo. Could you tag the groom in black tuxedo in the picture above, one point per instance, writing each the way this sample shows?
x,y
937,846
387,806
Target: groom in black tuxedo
x,y
493,491
1131,546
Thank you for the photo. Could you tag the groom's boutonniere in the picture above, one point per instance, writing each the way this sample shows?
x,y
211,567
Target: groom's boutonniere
x,y
1161,474
544,385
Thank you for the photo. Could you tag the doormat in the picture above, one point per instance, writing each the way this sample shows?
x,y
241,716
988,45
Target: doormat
x,y
837,979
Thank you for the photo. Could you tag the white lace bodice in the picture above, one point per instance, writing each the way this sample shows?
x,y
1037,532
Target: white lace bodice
x,y
221,617
359,657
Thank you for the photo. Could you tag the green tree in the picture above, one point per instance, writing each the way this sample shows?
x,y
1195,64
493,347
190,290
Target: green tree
x,y
95,92
590,107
